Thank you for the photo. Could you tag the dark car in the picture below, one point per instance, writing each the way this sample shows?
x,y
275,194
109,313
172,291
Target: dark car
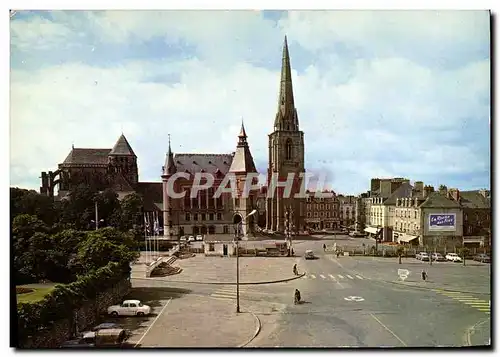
x,y
106,325
483,258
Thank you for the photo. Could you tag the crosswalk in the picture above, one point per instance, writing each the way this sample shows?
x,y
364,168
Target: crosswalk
x,y
228,293
336,277
468,300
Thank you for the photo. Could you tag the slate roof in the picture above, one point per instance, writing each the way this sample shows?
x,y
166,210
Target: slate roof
x,y
473,199
437,200
209,163
243,160
152,194
87,156
122,147
405,190
120,184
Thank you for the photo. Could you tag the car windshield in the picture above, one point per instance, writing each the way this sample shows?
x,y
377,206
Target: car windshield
x,y
140,304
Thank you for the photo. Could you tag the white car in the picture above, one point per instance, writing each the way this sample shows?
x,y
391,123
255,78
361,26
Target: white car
x,y
191,239
453,257
199,237
183,238
129,308
422,256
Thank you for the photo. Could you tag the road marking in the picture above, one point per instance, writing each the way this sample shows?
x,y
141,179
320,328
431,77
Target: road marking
x,y
482,303
350,277
322,276
354,298
359,277
389,330
341,277
313,276
221,299
154,321
331,276
227,296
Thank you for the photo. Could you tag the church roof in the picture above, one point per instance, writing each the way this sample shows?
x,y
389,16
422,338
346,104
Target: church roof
x,y
122,147
210,163
87,156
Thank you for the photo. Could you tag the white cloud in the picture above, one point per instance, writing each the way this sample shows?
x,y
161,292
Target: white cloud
x,y
386,116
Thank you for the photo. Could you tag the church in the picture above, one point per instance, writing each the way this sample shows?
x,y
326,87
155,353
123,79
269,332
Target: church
x,y
116,168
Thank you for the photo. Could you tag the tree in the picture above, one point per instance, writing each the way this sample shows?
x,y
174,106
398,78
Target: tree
x,y
31,202
400,251
463,252
105,245
131,211
109,208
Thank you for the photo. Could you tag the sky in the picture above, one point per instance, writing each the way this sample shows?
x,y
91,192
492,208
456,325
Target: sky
x,y
378,93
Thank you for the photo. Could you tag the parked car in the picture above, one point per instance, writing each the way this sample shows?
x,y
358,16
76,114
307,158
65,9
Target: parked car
x,y
183,238
108,337
453,257
199,237
483,258
191,239
106,325
437,257
129,308
423,256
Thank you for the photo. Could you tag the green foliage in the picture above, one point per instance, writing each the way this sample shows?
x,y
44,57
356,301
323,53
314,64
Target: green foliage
x,y
63,299
32,203
105,245
131,212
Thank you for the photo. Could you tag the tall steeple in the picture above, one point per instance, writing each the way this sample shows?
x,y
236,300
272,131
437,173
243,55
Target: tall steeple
x,y
170,168
286,117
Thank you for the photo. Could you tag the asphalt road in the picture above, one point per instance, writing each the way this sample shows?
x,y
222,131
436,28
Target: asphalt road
x,y
342,309
345,306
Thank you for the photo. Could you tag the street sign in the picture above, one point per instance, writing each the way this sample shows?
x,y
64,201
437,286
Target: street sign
x,y
354,298
403,274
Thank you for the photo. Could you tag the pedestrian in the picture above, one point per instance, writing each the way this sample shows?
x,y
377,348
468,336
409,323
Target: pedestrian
x,y
324,247
424,275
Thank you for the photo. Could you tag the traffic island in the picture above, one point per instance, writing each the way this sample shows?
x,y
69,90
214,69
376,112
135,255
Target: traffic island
x,y
253,270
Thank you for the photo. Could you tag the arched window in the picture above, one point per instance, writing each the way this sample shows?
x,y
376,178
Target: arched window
x,y
288,147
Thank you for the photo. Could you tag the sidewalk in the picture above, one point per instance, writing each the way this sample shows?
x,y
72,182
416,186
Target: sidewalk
x,y
217,270
195,322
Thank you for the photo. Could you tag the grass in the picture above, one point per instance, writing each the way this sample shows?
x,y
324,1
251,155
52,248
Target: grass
x,y
38,293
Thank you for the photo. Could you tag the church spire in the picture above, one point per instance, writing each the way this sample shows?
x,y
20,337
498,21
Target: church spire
x,y
170,168
286,118
243,135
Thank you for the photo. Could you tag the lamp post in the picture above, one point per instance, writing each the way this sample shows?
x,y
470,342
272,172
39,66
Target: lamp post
x,y
238,222
97,220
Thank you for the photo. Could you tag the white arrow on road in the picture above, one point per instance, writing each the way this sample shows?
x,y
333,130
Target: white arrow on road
x,y
354,298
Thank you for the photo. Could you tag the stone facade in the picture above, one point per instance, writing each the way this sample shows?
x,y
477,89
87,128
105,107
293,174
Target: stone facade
x,y
347,211
322,212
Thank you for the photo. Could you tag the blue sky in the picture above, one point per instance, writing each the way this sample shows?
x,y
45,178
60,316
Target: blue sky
x,y
378,93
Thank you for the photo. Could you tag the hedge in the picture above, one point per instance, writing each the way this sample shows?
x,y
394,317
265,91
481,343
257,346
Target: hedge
x,y
60,302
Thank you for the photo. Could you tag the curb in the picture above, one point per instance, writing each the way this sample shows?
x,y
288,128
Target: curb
x,y
436,288
257,330
224,283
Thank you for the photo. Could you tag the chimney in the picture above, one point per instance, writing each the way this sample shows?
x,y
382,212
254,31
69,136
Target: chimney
x,y
454,194
374,184
427,191
443,190
385,187
419,187
485,193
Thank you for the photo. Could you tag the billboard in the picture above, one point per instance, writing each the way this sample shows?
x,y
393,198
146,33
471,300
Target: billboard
x,y
442,221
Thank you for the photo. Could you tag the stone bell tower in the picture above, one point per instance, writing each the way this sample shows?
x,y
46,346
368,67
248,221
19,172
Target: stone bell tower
x,y
243,168
286,155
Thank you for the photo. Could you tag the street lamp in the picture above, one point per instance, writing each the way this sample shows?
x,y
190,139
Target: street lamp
x,y
238,222
97,220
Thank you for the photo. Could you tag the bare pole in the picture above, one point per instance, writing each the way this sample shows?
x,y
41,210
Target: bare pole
x,y
96,217
238,268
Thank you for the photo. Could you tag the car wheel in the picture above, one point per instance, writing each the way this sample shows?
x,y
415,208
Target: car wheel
x,y
114,313
140,313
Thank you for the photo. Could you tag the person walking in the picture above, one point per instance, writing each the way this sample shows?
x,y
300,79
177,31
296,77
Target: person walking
x,y
324,247
424,275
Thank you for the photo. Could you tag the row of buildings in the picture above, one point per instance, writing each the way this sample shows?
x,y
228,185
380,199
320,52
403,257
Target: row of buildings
x,y
394,210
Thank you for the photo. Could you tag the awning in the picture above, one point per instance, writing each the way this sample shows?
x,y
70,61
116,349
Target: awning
x,y
372,230
407,238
